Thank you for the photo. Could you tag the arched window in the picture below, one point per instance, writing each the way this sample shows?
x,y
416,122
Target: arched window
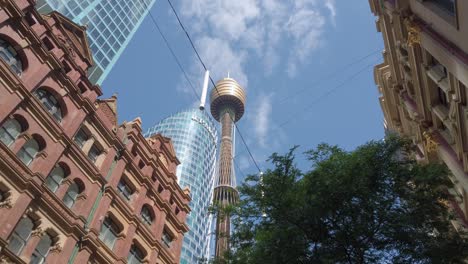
x,y
42,250
10,131
136,255
50,103
55,178
20,235
146,215
109,232
28,151
167,238
70,196
10,56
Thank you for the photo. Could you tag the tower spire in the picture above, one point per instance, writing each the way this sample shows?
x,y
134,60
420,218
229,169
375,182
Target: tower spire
x,y
227,107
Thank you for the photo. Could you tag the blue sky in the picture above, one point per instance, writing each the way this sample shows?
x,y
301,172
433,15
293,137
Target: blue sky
x,y
290,56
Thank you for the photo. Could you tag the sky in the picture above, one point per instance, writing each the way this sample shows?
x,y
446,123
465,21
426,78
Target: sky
x,y
306,66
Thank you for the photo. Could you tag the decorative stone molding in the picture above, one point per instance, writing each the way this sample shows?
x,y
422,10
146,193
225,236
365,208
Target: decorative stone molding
x,y
57,248
37,232
429,143
6,203
5,260
414,33
68,45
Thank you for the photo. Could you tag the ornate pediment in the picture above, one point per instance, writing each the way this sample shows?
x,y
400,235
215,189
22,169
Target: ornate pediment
x,y
73,37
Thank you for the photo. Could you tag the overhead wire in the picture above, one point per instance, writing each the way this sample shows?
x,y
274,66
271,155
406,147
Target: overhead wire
x,y
332,74
173,54
326,94
213,83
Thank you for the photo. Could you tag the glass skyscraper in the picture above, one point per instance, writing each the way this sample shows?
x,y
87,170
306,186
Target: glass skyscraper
x,y
195,137
111,25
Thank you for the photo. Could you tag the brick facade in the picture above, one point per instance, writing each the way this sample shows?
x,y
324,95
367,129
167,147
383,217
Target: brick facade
x,y
66,166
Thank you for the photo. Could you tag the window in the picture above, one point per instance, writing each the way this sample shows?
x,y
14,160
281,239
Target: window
x,y
166,238
10,56
146,215
50,103
55,178
28,151
94,153
20,235
135,256
70,196
48,44
4,194
42,250
442,97
125,189
81,137
447,5
109,232
10,131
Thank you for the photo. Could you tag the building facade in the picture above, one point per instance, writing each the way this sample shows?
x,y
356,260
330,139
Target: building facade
x,y
423,83
110,26
75,186
195,138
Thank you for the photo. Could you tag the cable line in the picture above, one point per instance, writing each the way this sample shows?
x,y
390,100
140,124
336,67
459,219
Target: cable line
x,y
174,55
334,89
338,71
212,82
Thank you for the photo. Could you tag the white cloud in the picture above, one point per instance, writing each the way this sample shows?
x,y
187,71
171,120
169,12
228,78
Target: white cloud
x,y
258,29
330,5
262,118
222,59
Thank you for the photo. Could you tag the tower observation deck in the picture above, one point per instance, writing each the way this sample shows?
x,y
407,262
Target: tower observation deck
x,y
227,107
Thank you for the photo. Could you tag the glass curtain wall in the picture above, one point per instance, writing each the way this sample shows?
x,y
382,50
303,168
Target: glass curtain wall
x,y
195,138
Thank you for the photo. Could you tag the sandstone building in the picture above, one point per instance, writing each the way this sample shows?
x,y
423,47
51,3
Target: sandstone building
x,y
76,187
423,83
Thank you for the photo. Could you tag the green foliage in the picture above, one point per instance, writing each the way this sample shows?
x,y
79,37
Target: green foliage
x,y
365,206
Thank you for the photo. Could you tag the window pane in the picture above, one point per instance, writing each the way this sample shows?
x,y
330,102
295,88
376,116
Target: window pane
x,y
9,55
42,249
70,197
27,153
24,156
10,131
125,189
20,235
166,238
146,215
50,103
93,153
135,256
447,5
55,179
31,147
81,138
108,233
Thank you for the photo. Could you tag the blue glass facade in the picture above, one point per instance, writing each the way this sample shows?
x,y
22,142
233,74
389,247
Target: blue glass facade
x,y
111,25
195,137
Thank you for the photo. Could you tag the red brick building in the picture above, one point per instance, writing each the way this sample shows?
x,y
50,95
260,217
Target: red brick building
x,y
76,187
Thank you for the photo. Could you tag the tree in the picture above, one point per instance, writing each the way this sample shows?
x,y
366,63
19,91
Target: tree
x,y
370,205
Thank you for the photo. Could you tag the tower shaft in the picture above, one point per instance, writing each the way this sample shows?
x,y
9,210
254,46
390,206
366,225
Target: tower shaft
x,y
227,107
225,193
